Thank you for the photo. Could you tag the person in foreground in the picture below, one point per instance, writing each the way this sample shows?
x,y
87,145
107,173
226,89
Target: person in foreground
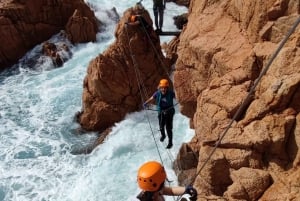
x,y
164,101
151,178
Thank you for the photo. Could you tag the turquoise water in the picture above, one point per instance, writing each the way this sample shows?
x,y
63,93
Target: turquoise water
x,y
39,135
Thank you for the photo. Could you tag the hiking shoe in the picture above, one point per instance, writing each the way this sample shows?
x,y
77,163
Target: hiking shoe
x,y
169,146
162,138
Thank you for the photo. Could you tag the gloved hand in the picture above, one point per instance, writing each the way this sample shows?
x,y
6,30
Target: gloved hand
x,y
145,105
192,192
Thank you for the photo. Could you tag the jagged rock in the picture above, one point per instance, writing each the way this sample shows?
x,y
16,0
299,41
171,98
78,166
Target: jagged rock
x,y
171,50
185,164
286,187
51,50
248,184
80,29
294,144
215,175
180,20
27,23
113,80
222,50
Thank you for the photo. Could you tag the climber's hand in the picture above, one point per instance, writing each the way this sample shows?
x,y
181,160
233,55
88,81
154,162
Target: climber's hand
x,y
192,192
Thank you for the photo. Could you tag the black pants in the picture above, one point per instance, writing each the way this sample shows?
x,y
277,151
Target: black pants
x,y
158,16
165,119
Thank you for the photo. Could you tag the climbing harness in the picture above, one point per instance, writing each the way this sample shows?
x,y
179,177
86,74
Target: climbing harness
x,y
173,106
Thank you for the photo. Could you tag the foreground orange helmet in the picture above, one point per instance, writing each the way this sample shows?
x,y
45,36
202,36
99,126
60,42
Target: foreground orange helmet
x,y
150,176
163,83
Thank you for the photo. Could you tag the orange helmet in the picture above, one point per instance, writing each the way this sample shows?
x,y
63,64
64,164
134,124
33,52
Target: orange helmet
x,y
163,83
132,18
150,176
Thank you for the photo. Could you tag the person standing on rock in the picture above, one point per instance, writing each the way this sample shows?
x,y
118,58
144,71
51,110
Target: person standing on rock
x,y
158,11
151,179
165,107
137,18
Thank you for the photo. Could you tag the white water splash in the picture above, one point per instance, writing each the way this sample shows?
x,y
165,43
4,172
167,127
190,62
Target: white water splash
x,y
38,131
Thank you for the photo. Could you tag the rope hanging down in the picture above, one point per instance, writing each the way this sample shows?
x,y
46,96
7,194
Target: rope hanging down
x,y
248,97
141,90
171,157
154,49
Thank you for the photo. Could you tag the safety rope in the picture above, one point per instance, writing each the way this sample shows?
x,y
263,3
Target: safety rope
x,y
154,49
248,97
164,109
142,90
171,157
140,85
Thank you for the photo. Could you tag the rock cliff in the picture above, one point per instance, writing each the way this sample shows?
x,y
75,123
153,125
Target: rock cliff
x,y
219,56
222,50
116,78
26,23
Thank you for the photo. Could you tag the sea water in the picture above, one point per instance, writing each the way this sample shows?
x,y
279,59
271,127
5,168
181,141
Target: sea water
x,y
42,155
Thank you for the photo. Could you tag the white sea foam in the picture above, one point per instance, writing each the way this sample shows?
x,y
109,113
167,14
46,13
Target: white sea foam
x,y
38,133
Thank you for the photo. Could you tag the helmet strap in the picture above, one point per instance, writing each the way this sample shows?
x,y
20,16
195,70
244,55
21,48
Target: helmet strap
x,y
161,186
145,196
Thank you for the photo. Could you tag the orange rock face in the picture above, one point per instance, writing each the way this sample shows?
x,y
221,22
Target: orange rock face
x,y
27,23
80,29
222,50
122,77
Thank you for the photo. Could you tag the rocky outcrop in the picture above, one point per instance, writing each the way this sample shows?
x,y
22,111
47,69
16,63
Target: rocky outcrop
x,y
117,80
222,50
52,50
80,29
220,54
180,20
244,179
27,23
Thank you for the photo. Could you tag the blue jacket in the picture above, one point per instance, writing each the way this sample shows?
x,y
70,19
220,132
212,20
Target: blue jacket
x,y
164,102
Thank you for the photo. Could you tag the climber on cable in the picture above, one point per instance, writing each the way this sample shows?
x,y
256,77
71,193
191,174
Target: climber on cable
x,y
164,101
